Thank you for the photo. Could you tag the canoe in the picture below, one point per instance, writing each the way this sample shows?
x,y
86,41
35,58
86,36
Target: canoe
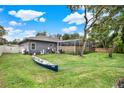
x,y
45,63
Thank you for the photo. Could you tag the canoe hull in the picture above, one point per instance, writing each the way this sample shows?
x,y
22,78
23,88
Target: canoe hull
x,y
51,67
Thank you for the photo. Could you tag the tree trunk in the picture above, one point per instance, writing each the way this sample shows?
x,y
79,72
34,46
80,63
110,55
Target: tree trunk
x,y
83,47
84,43
110,52
103,44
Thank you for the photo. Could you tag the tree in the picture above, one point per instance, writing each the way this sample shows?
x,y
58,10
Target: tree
x,y
108,28
66,36
119,40
58,36
2,31
3,41
89,22
119,45
74,36
44,33
100,36
122,36
98,16
121,21
15,41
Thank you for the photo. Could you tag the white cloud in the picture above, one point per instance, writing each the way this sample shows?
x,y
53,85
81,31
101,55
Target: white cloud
x,y
11,31
26,15
40,19
70,29
14,23
18,33
1,9
36,19
12,12
29,33
76,18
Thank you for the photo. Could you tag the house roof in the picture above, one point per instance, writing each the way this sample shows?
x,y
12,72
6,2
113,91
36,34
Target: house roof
x,y
40,38
53,40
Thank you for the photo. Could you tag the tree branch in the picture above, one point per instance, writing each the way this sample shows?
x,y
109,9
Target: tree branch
x,y
96,16
85,17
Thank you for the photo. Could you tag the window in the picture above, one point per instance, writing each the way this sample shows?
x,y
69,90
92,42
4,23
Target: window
x,y
33,46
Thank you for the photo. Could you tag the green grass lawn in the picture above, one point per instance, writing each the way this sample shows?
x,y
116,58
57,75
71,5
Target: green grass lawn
x,y
93,70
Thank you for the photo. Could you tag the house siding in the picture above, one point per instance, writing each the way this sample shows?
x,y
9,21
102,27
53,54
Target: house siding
x,y
40,45
24,45
66,46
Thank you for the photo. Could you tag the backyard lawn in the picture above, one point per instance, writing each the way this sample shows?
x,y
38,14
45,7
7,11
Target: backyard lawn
x,y
93,70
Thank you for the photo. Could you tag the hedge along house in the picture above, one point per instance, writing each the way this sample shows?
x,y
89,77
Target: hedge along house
x,y
40,43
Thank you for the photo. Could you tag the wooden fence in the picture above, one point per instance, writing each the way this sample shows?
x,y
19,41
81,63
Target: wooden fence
x,y
75,49
9,49
103,50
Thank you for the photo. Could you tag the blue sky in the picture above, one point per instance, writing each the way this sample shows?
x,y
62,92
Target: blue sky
x,y
25,21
